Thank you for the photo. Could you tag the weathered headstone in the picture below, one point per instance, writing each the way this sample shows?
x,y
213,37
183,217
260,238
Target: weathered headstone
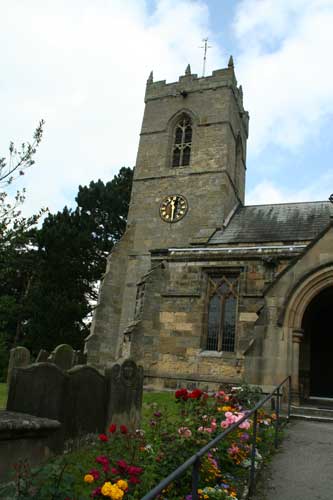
x,y
85,406
42,356
125,387
38,390
63,356
19,357
79,358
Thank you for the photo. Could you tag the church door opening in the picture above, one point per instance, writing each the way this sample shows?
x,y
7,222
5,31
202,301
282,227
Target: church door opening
x,y
316,353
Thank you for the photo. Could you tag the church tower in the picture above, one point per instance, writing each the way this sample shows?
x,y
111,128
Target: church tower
x,y
188,180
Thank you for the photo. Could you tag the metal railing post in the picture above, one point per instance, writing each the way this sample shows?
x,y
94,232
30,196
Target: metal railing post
x,y
289,397
277,421
195,460
195,479
253,452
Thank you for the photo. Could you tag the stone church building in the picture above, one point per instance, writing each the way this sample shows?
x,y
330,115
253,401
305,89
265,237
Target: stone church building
x,y
203,289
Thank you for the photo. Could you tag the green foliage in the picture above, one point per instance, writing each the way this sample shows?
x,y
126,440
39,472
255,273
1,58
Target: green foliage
x,y
157,450
48,276
4,358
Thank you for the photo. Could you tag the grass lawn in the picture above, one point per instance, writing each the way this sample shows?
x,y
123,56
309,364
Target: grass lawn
x,y
3,395
163,400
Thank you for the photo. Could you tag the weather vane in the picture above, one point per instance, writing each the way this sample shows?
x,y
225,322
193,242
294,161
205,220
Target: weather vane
x,y
205,47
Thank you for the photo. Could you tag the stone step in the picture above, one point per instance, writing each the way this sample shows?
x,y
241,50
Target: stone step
x,y
312,413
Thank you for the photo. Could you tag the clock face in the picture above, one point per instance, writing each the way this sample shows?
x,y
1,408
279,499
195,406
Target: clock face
x,y
173,208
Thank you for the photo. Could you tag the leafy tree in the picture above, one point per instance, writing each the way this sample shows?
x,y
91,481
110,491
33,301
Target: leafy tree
x,y
73,246
17,261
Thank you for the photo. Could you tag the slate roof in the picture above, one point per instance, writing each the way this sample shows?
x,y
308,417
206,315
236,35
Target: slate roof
x,y
272,223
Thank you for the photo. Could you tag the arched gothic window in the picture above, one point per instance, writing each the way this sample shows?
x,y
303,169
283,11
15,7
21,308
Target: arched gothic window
x,y
182,142
222,308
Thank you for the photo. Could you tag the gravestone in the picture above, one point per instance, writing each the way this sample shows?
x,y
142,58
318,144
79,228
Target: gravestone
x,y
85,406
62,356
42,356
125,387
79,358
39,390
19,357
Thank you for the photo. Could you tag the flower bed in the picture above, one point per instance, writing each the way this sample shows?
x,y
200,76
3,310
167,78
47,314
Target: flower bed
x,y
125,465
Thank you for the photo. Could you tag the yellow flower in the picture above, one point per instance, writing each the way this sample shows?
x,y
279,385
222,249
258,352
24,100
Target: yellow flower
x,y
122,484
106,489
88,478
117,493
112,491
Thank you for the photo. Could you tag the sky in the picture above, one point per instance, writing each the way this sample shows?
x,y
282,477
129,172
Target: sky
x,y
82,66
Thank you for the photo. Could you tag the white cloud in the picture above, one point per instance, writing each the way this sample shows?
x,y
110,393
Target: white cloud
x,y
284,66
82,66
267,191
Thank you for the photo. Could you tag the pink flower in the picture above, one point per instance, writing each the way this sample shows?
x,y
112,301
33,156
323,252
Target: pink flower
x,y
233,450
245,425
228,414
184,432
224,424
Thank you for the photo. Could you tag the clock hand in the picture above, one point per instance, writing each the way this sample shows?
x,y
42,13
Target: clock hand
x,y
172,209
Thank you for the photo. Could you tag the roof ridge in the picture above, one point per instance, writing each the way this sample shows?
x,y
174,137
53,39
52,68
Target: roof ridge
x,y
285,203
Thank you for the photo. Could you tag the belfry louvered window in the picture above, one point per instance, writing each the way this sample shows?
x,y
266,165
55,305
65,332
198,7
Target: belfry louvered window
x,y
182,144
222,309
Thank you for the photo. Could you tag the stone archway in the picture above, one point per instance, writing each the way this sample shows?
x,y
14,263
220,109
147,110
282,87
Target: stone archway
x,y
315,364
298,302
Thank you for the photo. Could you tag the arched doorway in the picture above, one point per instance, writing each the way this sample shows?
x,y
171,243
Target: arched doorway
x,y
316,349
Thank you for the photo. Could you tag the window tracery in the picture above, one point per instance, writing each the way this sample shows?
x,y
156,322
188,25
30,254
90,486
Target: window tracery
x,y
222,309
182,144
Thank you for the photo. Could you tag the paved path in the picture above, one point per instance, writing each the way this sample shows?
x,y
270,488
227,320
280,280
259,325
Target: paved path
x,y
303,467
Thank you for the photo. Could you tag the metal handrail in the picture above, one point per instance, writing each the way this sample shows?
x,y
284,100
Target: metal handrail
x,y
194,460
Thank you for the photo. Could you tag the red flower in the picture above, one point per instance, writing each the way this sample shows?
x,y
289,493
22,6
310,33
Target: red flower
x,y
97,492
134,480
134,471
112,428
94,473
102,460
122,464
196,394
115,471
123,429
103,437
182,394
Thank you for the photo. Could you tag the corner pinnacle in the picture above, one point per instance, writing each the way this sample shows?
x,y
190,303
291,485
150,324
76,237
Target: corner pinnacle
x,y
188,70
231,62
150,78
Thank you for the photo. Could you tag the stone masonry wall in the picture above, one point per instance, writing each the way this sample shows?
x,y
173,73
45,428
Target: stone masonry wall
x,y
170,339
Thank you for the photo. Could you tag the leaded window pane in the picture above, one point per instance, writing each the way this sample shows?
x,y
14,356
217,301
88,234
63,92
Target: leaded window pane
x,y
186,155
176,157
229,324
179,135
188,134
222,308
214,318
